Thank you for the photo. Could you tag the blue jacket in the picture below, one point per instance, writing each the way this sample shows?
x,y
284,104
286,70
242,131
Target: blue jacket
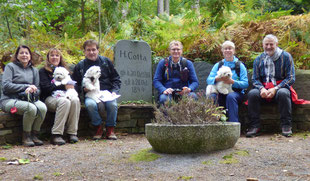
x,y
284,70
160,78
240,82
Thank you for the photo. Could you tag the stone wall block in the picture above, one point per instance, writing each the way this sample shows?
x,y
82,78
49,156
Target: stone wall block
x,y
127,124
5,132
123,117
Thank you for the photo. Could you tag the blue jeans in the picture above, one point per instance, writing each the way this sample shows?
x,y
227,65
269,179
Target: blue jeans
x,y
230,102
110,108
164,97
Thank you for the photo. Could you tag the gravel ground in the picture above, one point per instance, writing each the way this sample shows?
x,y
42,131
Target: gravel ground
x,y
267,157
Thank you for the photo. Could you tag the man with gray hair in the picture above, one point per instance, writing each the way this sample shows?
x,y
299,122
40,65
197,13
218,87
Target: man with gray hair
x,y
273,74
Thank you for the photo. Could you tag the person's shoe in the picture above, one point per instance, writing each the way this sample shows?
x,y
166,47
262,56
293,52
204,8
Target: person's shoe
x,y
252,132
99,132
73,138
58,140
35,138
287,131
27,140
110,134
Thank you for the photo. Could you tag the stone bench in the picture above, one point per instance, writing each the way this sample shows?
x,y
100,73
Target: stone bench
x,y
130,119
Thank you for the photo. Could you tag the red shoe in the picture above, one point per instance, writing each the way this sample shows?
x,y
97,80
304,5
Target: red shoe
x,y
110,134
99,132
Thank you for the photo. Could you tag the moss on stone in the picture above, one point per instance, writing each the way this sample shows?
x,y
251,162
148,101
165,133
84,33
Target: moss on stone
x,y
144,155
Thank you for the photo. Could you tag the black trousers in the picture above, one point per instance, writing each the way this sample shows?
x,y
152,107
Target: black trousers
x,y
282,98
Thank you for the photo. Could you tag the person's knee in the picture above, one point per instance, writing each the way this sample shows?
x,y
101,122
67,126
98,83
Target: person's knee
x,y
32,110
111,105
64,101
163,98
283,93
253,94
90,104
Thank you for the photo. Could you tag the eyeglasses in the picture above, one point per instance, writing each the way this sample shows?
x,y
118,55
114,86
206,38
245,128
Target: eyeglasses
x,y
176,49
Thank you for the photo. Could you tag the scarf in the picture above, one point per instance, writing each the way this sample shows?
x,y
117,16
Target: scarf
x,y
269,65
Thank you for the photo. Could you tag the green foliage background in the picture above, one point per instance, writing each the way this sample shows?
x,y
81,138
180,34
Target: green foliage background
x,y
66,24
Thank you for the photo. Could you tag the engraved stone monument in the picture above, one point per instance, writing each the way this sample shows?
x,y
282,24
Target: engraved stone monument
x,y
134,65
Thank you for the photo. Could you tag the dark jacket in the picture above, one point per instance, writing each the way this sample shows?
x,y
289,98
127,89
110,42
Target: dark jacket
x,y
109,79
284,70
47,87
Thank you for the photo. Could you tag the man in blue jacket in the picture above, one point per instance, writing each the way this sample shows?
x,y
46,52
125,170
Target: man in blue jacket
x,y
175,73
273,74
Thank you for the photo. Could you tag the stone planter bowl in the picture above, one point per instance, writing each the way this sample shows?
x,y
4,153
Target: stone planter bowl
x,y
199,138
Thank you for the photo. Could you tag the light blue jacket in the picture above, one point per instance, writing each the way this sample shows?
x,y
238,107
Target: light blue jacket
x,y
240,82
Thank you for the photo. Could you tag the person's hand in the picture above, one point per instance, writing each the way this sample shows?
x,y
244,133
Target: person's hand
x,y
69,86
228,80
271,93
264,93
168,91
85,89
31,89
185,90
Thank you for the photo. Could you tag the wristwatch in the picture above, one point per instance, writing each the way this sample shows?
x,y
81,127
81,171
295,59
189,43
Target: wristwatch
x,y
276,87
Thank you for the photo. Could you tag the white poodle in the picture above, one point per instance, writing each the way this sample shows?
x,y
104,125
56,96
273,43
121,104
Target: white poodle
x,y
221,87
62,77
91,82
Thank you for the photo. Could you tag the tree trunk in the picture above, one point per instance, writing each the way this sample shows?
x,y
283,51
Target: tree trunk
x,y
8,25
166,7
160,7
83,15
99,10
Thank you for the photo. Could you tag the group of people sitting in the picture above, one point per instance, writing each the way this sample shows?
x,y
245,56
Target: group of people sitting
x,y
29,92
273,76
22,84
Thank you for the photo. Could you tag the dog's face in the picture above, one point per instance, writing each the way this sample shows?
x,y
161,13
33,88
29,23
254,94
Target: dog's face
x,y
60,73
93,72
224,71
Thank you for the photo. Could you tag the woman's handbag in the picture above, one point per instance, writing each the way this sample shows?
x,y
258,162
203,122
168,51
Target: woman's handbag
x,y
30,97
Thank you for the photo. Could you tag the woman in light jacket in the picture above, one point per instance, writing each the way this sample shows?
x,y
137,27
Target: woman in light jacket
x,y
20,81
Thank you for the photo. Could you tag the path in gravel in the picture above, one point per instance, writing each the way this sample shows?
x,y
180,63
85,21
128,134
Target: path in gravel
x,y
268,157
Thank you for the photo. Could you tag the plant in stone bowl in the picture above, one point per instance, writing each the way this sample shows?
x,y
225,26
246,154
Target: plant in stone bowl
x,y
191,126
190,111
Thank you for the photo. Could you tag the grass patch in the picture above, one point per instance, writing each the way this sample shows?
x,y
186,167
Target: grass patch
x,y
2,159
144,156
58,174
229,159
7,146
185,177
242,153
209,162
303,135
37,177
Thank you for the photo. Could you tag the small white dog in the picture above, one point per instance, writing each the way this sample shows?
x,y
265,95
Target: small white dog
x,y
91,82
221,87
62,77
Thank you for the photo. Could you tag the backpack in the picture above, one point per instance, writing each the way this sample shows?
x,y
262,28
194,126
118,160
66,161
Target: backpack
x,y
237,67
183,72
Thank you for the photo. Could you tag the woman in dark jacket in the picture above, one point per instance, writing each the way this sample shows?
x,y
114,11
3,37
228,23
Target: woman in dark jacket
x,y
67,110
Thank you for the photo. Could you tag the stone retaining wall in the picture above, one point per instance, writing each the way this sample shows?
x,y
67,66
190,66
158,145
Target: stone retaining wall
x,y
130,119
